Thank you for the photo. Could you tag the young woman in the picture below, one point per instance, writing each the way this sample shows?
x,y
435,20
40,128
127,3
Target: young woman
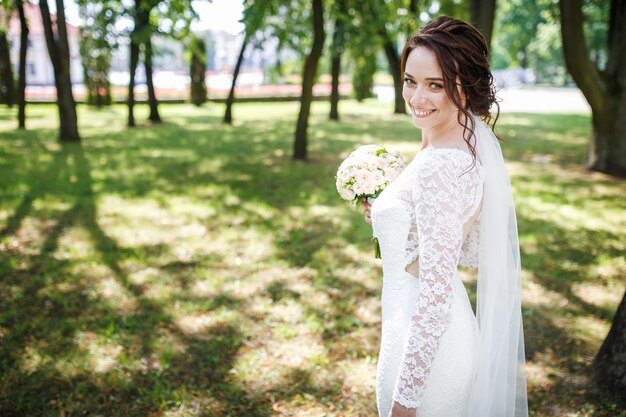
x,y
452,205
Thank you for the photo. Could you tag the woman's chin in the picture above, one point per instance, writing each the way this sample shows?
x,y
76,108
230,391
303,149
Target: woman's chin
x,y
420,123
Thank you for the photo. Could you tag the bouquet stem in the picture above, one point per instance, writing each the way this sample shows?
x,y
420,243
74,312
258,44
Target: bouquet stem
x,y
376,248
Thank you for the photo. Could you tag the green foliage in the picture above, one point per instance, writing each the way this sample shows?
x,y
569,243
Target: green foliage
x,y
596,13
98,40
363,43
455,8
527,34
364,68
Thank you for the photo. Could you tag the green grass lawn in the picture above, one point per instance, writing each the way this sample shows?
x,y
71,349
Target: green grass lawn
x,y
194,269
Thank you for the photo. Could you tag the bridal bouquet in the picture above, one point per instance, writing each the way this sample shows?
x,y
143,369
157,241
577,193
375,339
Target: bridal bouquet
x,y
366,172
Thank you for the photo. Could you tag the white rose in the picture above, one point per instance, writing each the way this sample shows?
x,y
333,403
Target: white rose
x,y
343,175
391,174
346,194
362,175
369,187
378,178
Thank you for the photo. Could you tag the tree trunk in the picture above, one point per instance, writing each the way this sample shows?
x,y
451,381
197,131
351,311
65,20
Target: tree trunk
x,y
482,14
308,78
334,92
21,88
605,91
152,99
197,70
7,83
610,363
134,59
228,116
59,51
394,68
335,64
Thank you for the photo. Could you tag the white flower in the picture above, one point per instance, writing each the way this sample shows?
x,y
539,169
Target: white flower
x,y
378,178
367,171
391,174
369,187
346,194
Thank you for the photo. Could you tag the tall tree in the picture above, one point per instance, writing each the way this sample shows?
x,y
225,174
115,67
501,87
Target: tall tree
x,y
134,60
228,115
58,49
140,13
308,78
482,14
7,83
337,49
197,69
604,89
254,16
21,85
152,99
164,17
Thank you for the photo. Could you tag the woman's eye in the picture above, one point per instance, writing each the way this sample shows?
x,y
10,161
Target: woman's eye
x,y
409,81
435,86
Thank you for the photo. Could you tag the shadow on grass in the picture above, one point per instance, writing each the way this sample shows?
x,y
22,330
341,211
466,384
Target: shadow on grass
x,y
49,321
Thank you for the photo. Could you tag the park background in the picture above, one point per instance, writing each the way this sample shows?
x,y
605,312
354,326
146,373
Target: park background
x,y
182,250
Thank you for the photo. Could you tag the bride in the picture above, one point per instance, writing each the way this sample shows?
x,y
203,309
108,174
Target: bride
x,y
452,205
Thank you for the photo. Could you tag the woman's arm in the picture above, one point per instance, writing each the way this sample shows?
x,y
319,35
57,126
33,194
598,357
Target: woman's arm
x,y
438,199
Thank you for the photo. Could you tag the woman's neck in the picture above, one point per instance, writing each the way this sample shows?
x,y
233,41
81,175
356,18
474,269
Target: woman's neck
x,y
449,135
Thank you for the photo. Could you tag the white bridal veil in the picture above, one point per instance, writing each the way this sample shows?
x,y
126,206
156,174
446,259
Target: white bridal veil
x,y
500,386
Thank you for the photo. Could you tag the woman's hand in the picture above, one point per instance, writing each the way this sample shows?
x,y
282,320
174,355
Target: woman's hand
x,y
398,410
367,211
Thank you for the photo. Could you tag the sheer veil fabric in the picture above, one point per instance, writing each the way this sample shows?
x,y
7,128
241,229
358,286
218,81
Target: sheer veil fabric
x,y
500,386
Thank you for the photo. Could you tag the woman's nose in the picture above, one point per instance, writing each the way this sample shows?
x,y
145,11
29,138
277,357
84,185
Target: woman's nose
x,y
417,97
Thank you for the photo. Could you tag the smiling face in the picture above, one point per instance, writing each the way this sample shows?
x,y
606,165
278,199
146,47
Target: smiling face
x,y
424,92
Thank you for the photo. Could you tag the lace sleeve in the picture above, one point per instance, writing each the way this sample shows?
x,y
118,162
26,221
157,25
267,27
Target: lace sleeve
x,y
438,199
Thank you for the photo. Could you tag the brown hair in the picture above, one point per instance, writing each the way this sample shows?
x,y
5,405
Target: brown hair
x,y
463,55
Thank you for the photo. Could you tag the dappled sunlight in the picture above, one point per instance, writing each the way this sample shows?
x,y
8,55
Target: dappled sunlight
x,y
193,268
102,356
33,359
198,324
599,295
111,290
75,243
590,329
536,295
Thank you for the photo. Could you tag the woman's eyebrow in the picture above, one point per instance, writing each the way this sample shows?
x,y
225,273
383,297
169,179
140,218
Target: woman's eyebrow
x,y
406,74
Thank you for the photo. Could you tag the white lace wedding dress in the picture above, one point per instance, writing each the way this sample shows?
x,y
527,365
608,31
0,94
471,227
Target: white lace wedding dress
x,y
429,215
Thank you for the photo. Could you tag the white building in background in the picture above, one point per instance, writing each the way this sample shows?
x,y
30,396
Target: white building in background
x,y
170,63
39,69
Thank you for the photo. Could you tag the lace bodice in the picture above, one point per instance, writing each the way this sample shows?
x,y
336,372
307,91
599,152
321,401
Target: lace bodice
x,y
428,213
